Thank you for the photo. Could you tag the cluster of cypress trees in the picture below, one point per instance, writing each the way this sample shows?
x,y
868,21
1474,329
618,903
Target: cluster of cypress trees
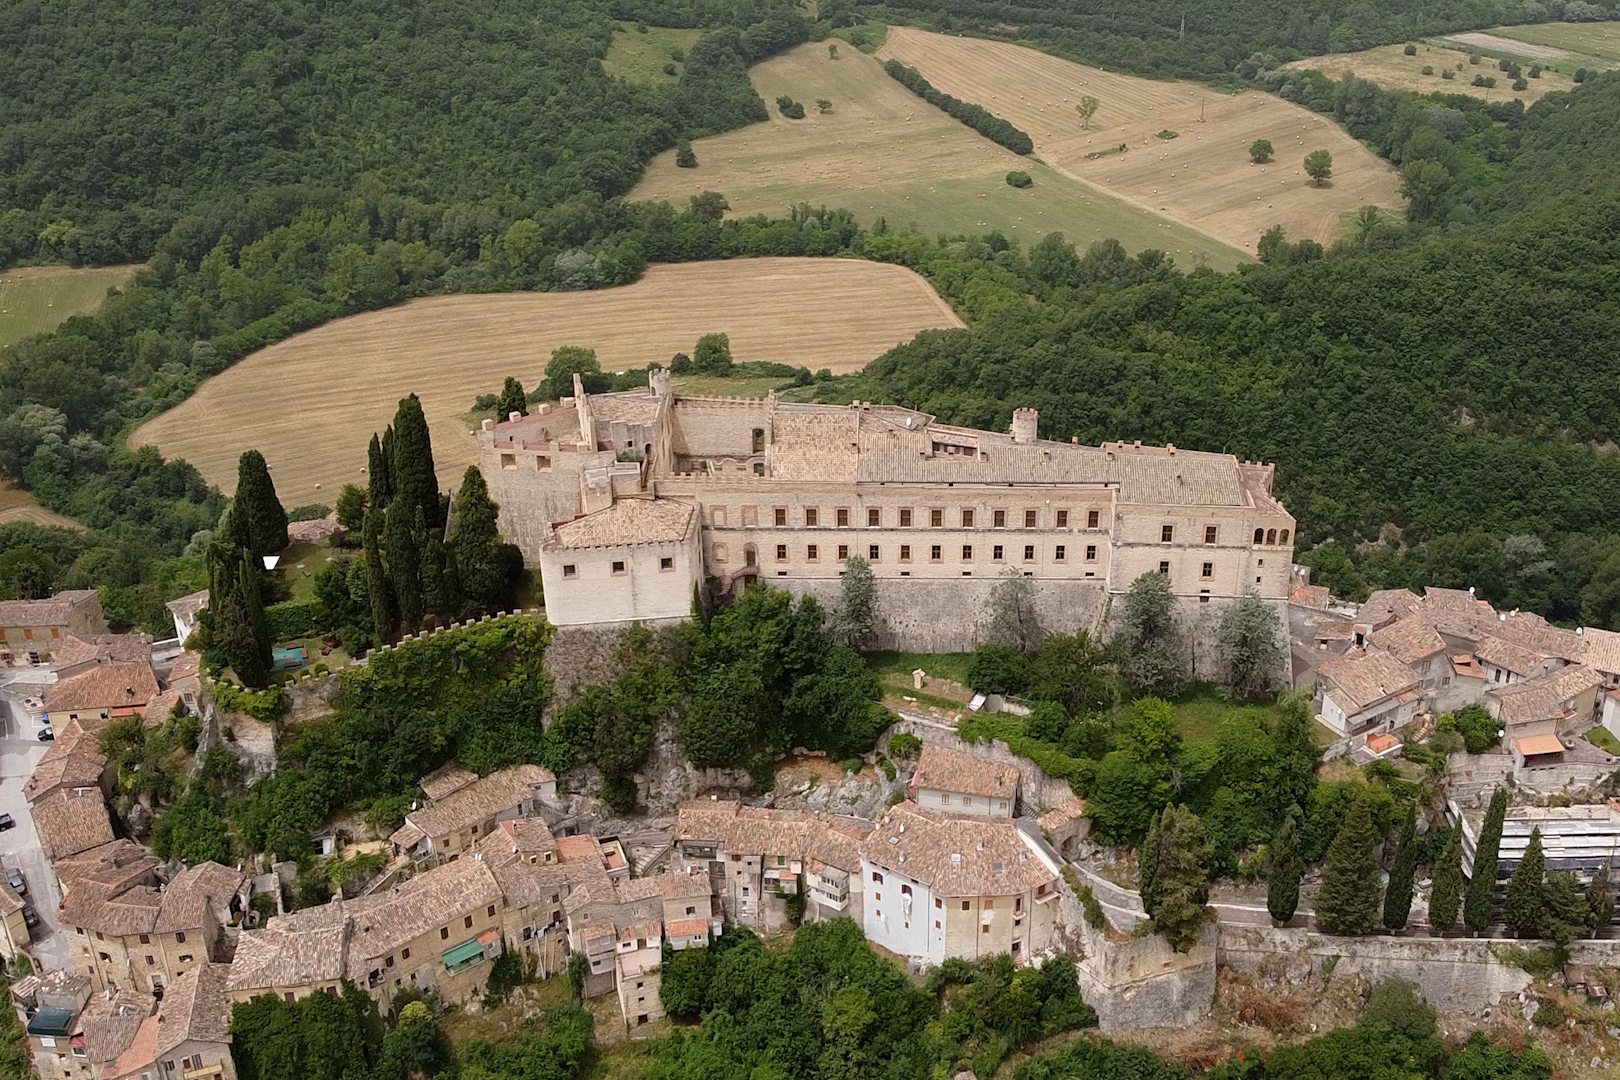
x,y
254,525
1481,901
422,560
1550,905
1174,879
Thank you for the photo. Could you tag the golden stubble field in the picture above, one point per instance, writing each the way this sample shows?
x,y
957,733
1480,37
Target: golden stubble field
x,y
311,403
1202,178
884,152
1391,68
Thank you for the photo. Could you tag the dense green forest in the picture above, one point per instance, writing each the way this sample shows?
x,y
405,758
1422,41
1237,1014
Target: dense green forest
x,y
1211,39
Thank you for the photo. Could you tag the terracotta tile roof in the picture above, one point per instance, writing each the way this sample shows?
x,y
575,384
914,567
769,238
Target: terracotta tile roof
x,y
1364,679
188,605
529,836
112,1022
630,890
1381,743
115,866
1463,665
69,823
752,830
526,884
406,836
446,780
1388,604
957,856
100,649
56,611
195,1006
480,800
314,530
382,922
188,665
157,710
72,761
581,847
1602,650
1505,654
1542,698
195,890
1313,596
626,522
112,685
688,928
1459,601
140,1054
301,948
939,769
9,900
1531,745
1338,630
1409,640
1061,816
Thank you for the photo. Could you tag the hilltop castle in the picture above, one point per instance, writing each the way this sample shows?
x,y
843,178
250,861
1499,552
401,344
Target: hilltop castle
x,y
627,501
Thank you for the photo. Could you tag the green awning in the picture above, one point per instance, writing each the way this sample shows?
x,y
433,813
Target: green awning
x,y
463,955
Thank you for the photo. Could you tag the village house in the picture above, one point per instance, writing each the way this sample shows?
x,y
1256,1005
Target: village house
x,y
300,953
755,858
1366,693
104,690
70,821
628,501
958,783
14,935
32,630
74,762
186,1037
467,810
185,679
944,885
522,854
49,1007
185,611
125,930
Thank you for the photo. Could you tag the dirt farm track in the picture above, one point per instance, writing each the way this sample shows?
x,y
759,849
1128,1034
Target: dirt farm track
x,y
310,403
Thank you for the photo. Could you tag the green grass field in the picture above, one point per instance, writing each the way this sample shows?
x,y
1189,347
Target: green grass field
x,y
881,152
34,299
640,58
1598,44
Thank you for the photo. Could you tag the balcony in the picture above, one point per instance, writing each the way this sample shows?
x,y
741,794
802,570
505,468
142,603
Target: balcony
x,y
468,954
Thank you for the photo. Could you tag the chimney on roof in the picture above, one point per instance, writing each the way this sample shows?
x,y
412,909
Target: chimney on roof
x,y
514,416
488,425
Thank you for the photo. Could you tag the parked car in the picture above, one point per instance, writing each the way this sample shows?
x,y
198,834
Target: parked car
x,y
30,918
6,822
46,735
14,878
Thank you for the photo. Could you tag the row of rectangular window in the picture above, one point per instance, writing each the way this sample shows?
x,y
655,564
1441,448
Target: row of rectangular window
x,y
874,518
874,552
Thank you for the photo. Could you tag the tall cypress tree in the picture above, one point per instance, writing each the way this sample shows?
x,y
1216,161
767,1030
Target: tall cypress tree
x,y
1147,861
380,470
414,481
1445,899
1526,901
475,544
380,595
250,588
1482,886
402,555
261,513
1284,874
1600,899
1398,894
1347,903
512,400
1180,880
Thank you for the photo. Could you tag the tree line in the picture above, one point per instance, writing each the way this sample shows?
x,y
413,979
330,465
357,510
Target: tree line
x,y
977,117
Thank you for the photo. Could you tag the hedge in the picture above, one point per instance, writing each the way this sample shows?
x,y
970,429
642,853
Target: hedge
x,y
977,117
294,619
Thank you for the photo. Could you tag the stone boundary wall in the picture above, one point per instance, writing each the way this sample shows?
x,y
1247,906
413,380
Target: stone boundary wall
x,y
1037,792
1141,982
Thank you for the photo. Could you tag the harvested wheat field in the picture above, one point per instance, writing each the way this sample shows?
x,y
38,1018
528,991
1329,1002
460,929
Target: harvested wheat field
x,y
1391,68
883,152
1568,45
310,403
1202,178
18,505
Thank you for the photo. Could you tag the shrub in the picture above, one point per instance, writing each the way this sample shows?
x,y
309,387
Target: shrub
x,y
684,157
308,512
1535,71
669,69
790,108
1476,726
1019,179
265,705
1473,58
1520,84
1167,134
1580,75
889,771
904,745
1411,49
1548,1015
852,765
1428,69
294,619
1448,74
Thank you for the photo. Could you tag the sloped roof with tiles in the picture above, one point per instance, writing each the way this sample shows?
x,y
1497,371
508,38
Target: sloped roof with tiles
x,y
195,1006
480,800
1505,654
101,648
1409,640
73,761
753,830
186,666
193,892
187,606
56,611
1531,745
627,522
112,1023
446,780
157,710
1056,819
1364,679
1386,604
300,948
115,866
688,928
1602,650
1543,698
384,921
69,823
111,686
940,769
957,856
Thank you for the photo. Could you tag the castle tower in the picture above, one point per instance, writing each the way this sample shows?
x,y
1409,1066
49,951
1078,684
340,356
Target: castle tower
x,y
1024,424
658,381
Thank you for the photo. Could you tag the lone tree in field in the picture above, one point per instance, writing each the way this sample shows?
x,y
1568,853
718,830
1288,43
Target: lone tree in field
x,y
707,206
1175,876
1347,903
1445,899
1319,166
1522,907
1482,886
1260,151
712,356
832,50
512,400
684,157
1398,894
856,614
1284,874
1250,644
257,511
823,105
1087,109
1010,618
1149,638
